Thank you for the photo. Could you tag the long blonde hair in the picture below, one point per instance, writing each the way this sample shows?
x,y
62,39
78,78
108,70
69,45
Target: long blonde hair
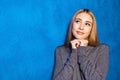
x,y
93,39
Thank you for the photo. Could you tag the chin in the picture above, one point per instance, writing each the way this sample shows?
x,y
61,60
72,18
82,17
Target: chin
x,y
79,37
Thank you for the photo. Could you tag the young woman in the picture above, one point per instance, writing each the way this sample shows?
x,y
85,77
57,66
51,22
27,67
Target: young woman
x,y
82,57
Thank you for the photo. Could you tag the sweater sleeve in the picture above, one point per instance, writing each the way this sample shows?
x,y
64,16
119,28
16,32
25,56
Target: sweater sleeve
x,y
95,65
64,71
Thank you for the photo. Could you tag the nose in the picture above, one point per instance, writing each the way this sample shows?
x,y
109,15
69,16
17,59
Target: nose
x,y
81,27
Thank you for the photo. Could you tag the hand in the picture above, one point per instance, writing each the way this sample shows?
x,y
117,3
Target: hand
x,y
83,42
75,43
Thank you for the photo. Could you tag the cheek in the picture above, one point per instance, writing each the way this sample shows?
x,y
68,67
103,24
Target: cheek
x,y
88,30
74,27
73,30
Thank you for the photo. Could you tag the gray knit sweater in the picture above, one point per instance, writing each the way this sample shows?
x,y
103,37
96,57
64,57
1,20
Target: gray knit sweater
x,y
83,63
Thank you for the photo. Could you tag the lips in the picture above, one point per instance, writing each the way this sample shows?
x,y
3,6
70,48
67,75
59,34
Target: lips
x,y
80,33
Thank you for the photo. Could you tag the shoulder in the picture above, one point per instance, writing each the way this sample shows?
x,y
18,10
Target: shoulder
x,y
62,50
97,48
103,46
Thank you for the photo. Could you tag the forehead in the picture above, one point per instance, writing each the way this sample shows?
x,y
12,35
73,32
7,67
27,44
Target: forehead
x,y
84,17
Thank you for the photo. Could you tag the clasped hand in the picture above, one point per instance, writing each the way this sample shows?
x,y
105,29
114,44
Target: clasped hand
x,y
78,42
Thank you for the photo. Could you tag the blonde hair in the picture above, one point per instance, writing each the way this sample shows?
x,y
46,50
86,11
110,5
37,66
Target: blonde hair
x,y
93,39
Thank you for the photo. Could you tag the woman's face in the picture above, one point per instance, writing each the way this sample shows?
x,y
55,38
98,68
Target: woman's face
x,y
82,26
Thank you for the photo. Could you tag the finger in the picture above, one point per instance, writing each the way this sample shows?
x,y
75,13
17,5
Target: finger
x,y
79,42
76,45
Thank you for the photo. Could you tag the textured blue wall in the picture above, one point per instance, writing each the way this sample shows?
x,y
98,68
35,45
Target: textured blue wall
x,y
30,30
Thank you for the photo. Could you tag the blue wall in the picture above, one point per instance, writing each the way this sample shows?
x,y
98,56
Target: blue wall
x,y
30,30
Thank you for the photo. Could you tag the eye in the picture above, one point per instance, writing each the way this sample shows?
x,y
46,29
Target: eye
x,y
88,24
77,21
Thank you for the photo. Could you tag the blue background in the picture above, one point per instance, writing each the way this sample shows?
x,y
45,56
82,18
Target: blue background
x,y
30,30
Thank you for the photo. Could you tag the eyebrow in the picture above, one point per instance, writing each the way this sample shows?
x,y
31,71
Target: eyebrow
x,y
77,18
85,21
89,22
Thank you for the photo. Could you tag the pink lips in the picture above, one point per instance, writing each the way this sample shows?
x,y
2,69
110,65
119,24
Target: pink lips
x,y
78,32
